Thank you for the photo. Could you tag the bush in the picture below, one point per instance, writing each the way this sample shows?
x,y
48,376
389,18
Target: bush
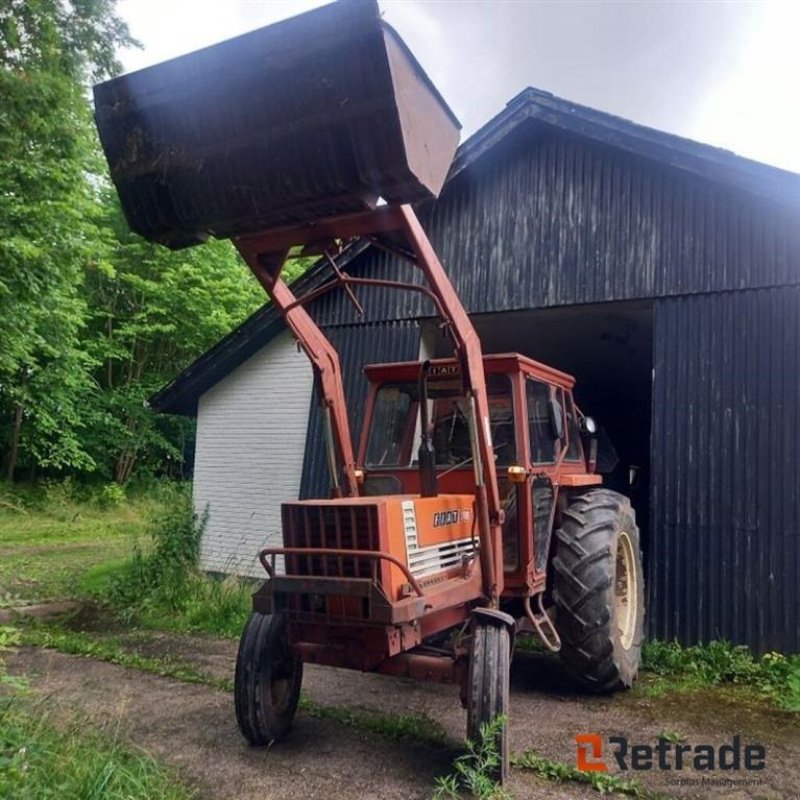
x,y
162,573
111,495
162,586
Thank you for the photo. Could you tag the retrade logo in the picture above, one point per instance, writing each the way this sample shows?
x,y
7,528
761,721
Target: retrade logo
x,y
666,755
590,752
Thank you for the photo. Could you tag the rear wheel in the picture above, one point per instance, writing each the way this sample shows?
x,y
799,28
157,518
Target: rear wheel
x,y
268,679
487,689
599,590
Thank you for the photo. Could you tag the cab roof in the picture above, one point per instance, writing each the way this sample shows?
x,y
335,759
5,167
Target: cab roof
x,y
449,367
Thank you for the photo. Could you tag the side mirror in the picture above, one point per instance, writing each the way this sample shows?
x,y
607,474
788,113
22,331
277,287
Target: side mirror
x,y
556,418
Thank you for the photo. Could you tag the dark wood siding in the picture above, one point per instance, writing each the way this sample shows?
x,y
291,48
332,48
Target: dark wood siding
x,y
552,220
358,345
724,548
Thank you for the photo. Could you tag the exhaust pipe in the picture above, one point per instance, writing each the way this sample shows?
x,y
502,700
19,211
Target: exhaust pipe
x,y
427,455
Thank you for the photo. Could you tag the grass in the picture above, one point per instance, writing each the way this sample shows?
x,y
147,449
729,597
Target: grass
x,y
774,677
40,759
161,587
559,772
413,728
134,553
417,728
51,535
112,650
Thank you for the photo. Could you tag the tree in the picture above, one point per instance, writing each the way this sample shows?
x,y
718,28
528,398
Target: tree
x,y
151,312
48,214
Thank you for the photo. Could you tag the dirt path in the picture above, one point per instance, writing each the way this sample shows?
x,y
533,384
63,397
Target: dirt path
x,y
193,728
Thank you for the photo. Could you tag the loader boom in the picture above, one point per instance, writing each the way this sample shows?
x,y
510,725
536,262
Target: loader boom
x,y
266,254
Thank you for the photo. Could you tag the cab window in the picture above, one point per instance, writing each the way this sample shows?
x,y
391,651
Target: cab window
x,y
574,449
544,445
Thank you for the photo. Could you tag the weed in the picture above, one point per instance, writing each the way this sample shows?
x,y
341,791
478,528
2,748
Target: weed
x,y
111,495
418,728
39,759
671,736
558,771
111,650
399,727
473,771
11,685
774,676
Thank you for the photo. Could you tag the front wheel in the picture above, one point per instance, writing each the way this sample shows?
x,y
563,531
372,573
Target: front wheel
x,y
268,680
598,590
487,691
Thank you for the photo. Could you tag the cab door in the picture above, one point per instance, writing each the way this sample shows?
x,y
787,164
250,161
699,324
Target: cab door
x,y
545,431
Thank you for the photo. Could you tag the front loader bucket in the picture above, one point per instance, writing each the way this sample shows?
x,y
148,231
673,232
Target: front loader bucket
x,y
315,116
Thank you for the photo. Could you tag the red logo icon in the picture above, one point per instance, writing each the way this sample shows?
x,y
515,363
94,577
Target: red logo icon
x,y
590,752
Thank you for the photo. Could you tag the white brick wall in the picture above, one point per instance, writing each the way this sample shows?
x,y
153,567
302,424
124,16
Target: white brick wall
x,y
251,431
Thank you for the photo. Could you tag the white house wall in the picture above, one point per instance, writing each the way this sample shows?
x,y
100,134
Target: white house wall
x,y
251,432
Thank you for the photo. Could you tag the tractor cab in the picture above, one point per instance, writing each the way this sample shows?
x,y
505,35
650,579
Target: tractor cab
x,y
539,440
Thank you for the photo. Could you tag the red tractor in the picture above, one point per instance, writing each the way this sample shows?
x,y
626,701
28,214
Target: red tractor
x,y
472,510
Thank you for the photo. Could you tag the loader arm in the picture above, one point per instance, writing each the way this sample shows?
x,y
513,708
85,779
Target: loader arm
x,y
266,254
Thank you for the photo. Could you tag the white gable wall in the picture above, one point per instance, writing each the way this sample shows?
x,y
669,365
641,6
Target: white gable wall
x,y
251,433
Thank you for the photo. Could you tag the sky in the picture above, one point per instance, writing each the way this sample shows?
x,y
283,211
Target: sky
x,y
723,73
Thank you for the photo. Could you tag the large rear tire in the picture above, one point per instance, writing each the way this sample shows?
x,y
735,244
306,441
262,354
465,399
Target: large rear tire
x,y
268,680
487,688
598,590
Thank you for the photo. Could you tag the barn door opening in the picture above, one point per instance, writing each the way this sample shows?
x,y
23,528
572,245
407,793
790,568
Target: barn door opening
x,y
608,348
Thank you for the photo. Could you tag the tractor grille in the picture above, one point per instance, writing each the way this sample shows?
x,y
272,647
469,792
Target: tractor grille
x,y
342,527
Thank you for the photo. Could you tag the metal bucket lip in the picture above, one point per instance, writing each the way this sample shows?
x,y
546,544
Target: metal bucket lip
x,y
421,72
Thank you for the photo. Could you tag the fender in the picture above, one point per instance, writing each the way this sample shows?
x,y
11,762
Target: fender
x,y
498,618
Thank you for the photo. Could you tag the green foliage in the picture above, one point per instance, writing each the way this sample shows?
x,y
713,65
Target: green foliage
x,y
40,760
473,771
53,533
160,586
417,728
160,575
111,495
93,319
10,685
151,312
48,221
602,782
774,676
112,650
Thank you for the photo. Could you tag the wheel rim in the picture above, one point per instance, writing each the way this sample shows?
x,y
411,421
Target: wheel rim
x,y
625,596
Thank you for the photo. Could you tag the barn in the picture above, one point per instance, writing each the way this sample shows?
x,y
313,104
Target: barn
x,y
663,273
